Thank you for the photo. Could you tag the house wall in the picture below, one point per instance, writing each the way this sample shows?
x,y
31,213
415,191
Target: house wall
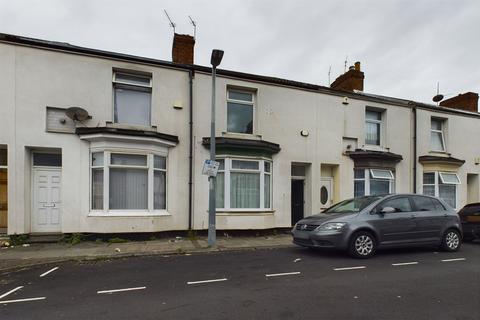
x,y
33,79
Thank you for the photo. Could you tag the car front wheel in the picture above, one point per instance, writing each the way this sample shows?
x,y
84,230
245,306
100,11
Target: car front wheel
x,y
362,245
451,240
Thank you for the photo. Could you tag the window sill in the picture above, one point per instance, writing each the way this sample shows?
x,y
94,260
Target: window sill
x,y
242,135
246,212
159,213
443,153
373,147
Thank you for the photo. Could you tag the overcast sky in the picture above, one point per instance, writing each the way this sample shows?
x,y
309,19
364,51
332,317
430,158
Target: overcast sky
x,y
405,47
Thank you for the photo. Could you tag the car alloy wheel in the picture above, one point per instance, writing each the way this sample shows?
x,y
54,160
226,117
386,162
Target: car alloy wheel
x,y
362,245
451,240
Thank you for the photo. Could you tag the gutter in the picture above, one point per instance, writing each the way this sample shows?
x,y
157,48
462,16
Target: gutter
x,y
414,111
191,74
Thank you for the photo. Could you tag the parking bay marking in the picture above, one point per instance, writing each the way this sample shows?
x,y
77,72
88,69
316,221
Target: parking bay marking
x,y
349,268
207,281
49,271
10,292
455,259
282,274
121,290
404,263
22,300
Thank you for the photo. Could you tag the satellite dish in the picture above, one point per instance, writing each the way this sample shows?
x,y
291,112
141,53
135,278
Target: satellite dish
x,y
438,98
77,114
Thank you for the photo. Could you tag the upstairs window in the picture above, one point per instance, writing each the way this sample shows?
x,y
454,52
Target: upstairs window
x,y
240,106
437,140
132,95
373,127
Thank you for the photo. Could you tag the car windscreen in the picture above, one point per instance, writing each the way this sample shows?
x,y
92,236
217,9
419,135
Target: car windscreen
x,y
352,205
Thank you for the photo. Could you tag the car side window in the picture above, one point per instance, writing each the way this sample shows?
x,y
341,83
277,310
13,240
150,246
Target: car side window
x,y
399,204
424,204
438,205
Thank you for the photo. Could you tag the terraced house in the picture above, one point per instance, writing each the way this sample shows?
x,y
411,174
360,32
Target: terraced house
x,y
133,163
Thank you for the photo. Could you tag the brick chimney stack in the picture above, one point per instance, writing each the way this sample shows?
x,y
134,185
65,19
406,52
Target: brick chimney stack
x,y
182,48
350,80
465,101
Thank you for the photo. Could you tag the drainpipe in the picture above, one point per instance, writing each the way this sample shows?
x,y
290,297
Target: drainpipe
x,y
414,110
190,152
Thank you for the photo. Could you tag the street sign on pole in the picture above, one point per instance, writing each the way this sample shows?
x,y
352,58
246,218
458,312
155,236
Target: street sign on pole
x,y
210,168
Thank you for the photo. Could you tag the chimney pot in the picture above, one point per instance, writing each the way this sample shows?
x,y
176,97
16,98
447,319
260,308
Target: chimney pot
x,y
357,65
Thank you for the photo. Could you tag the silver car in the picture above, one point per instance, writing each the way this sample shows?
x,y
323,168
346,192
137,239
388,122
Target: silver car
x,y
364,224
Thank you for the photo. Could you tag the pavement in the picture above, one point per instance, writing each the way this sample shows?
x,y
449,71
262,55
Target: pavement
x,y
25,255
272,283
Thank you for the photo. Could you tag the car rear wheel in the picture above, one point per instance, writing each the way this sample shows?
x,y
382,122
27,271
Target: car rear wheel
x,y
451,240
362,245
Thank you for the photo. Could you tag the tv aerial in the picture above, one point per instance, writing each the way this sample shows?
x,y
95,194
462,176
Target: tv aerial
x,y
194,24
172,24
438,97
77,114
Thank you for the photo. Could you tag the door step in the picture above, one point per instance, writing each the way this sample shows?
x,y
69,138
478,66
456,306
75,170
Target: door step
x,y
45,238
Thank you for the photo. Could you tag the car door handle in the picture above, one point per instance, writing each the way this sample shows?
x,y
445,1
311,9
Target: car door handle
x,y
49,205
413,216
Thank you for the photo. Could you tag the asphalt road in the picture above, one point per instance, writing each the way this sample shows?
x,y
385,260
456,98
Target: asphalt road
x,y
289,283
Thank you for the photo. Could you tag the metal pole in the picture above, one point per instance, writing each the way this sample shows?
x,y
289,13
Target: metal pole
x,y
211,197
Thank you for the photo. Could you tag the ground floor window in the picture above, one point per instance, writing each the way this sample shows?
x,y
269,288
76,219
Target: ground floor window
x,y
442,185
244,184
3,187
122,181
373,181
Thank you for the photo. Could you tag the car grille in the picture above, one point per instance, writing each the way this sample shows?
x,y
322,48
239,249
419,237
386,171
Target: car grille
x,y
305,242
306,227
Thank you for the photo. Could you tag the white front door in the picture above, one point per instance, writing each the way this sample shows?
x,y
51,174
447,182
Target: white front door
x,y
47,205
326,189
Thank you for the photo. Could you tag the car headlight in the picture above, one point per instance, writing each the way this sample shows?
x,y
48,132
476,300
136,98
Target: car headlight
x,y
331,226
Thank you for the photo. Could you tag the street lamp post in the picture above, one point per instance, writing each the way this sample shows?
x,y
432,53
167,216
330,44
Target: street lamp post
x,y
215,60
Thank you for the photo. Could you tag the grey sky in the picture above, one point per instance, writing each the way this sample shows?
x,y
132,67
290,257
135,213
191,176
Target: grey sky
x,y
405,46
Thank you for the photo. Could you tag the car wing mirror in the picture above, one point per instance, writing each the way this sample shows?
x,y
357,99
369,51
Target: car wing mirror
x,y
387,210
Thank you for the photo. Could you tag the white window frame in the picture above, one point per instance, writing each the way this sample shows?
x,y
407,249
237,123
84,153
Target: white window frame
x,y
367,179
380,131
106,211
132,85
442,125
247,103
438,178
261,171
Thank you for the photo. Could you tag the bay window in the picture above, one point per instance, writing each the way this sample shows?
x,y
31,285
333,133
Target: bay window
x,y
373,181
244,184
128,182
442,185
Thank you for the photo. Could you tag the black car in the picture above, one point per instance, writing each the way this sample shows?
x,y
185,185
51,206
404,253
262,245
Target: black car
x,y
470,218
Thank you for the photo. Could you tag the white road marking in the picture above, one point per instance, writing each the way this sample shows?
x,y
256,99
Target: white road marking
x,y
10,292
22,300
207,281
404,263
456,259
282,274
121,290
45,273
349,268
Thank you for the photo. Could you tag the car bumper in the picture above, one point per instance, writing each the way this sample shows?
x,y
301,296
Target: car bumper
x,y
312,239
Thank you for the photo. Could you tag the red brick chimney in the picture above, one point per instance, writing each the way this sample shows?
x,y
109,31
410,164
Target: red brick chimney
x,y
182,48
350,80
465,101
